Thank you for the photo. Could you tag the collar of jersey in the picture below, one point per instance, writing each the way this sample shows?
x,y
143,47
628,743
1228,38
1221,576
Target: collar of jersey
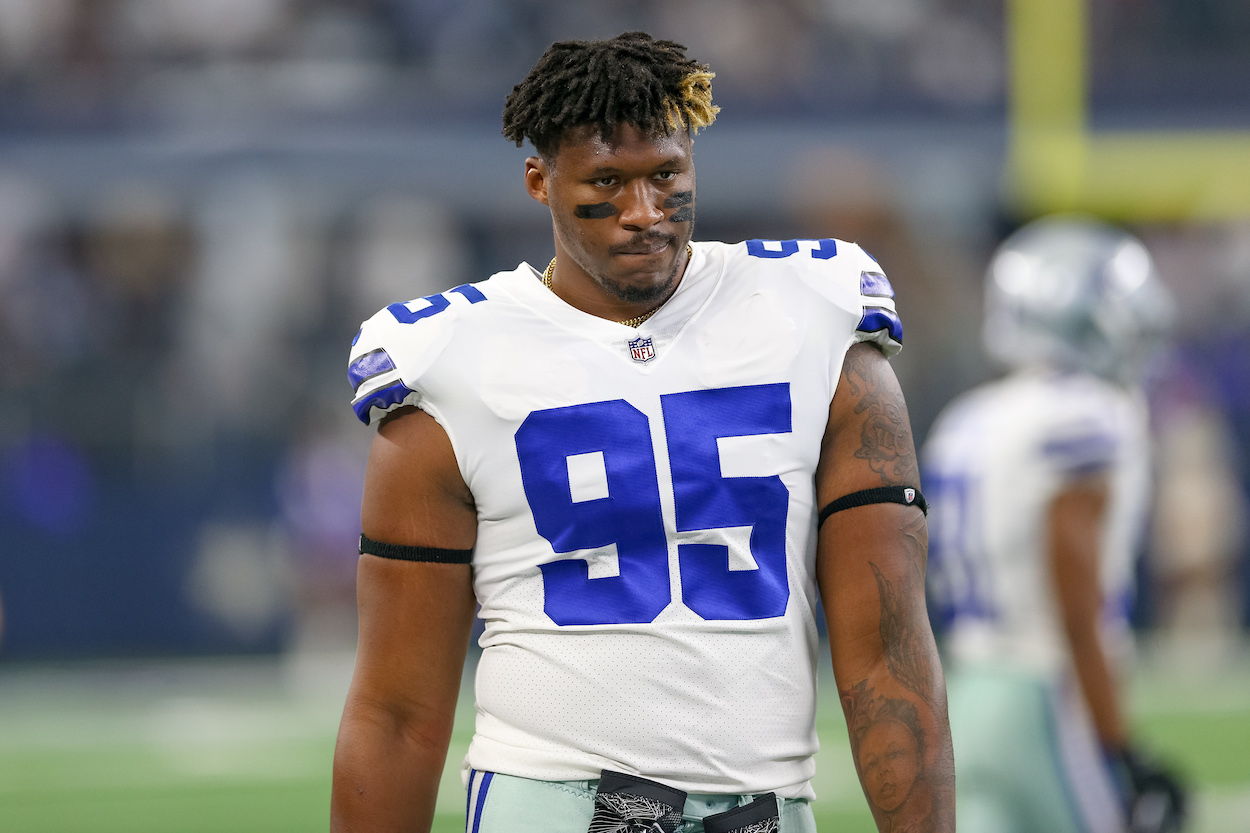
x,y
696,287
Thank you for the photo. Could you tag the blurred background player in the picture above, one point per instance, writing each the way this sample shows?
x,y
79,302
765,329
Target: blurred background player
x,y
1039,486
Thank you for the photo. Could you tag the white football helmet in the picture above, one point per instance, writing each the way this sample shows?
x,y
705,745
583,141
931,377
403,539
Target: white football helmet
x,y
1073,292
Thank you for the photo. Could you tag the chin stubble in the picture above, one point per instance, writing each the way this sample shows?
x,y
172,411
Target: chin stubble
x,y
641,294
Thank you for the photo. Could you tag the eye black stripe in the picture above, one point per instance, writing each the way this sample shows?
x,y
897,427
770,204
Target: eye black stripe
x,y
598,211
679,199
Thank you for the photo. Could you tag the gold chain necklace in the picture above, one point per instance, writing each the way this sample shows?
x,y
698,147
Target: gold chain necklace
x,y
628,322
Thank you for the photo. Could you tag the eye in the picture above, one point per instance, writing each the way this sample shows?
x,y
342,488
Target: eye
x,y
666,176
603,182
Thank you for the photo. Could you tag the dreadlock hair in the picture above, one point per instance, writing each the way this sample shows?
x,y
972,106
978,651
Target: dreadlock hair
x,y
630,79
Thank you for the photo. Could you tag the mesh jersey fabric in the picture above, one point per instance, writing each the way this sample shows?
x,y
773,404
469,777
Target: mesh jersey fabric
x,y
645,551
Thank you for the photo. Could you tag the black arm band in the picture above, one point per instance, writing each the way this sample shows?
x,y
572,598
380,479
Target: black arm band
x,y
404,552
886,494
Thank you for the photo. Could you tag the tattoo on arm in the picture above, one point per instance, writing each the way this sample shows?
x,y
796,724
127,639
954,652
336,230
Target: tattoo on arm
x,y
885,436
906,652
888,744
899,742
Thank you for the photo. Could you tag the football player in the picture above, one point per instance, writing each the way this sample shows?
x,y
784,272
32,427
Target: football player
x,y
621,457
1038,486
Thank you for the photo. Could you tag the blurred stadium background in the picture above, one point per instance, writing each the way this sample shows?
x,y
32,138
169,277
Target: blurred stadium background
x,y
199,202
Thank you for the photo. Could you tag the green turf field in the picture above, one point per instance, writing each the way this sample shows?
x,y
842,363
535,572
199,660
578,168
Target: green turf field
x,y
200,746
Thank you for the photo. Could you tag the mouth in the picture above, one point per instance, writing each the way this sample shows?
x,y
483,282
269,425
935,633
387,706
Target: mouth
x,y
644,248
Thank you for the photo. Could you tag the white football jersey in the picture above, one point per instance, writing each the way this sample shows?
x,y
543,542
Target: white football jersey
x,y
994,462
645,500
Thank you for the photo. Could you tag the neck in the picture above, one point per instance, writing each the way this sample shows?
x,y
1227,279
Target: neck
x,y
590,295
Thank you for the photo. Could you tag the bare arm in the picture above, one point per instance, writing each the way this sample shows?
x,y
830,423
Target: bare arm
x,y
1075,536
870,567
415,620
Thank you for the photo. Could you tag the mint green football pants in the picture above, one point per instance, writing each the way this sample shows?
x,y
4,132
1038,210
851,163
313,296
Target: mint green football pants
x,y
500,803
1026,756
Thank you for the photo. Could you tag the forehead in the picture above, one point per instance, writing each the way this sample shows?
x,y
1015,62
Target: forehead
x,y
627,146
890,730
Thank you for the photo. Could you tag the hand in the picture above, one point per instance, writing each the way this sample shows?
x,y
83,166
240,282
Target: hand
x,y
1156,799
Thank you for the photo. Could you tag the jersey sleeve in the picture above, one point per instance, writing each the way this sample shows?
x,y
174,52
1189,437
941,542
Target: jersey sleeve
x,y
852,279
878,322
1083,437
390,354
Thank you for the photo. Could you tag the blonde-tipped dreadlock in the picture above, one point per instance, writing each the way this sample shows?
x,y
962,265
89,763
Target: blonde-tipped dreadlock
x,y
630,79
696,109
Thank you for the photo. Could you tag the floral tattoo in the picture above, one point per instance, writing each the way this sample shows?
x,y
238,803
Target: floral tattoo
x,y
885,436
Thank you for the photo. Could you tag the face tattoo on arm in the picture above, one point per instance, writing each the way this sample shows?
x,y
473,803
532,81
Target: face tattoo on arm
x,y
598,211
683,200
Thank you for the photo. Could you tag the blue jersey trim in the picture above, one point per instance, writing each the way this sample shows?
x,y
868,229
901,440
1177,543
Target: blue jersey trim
x,y
381,398
876,319
1082,455
875,285
374,363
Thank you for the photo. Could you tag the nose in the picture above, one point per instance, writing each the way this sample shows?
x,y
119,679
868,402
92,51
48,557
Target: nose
x,y
641,206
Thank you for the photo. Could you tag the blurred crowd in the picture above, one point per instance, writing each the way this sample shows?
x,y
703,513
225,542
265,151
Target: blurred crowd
x,y
90,62
87,61
179,467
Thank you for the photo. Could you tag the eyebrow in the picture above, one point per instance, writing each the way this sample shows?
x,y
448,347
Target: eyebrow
x,y
606,170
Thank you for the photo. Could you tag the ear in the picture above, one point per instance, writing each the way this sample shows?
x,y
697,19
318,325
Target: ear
x,y
537,174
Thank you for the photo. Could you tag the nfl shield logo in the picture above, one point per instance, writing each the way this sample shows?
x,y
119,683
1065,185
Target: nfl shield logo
x,y
910,494
641,349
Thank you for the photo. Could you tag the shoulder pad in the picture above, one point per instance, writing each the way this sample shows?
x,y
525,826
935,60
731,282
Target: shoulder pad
x,y
848,276
396,346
